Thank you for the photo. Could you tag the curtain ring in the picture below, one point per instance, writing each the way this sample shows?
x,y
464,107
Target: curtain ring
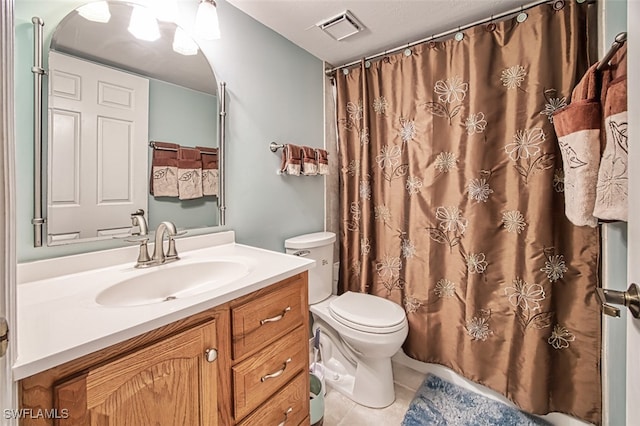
x,y
491,26
432,44
522,16
386,59
407,52
558,5
459,35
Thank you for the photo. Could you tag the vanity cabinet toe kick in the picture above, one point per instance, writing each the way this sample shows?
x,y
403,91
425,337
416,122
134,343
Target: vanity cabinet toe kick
x,y
241,363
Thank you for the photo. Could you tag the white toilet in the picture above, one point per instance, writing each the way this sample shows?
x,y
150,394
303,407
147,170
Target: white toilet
x,y
359,332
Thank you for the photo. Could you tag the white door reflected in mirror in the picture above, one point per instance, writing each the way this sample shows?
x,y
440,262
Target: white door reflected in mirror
x,y
97,149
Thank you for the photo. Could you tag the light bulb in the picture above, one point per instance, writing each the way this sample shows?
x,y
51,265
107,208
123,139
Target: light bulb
x,y
143,25
207,26
183,43
96,12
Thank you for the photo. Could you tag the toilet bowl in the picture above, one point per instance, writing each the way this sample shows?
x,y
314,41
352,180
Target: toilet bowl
x,y
359,333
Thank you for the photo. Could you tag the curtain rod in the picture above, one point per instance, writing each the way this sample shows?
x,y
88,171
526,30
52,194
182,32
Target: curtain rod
x,y
449,32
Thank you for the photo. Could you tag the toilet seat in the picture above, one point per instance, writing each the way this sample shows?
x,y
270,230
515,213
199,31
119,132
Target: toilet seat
x,y
368,313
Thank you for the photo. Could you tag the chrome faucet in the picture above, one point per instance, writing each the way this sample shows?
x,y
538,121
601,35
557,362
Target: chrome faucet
x,y
159,256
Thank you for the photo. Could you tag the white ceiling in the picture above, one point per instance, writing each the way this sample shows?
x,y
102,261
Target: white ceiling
x,y
388,23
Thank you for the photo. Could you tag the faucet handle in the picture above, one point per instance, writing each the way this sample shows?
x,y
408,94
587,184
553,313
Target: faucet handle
x,y
172,253
143,260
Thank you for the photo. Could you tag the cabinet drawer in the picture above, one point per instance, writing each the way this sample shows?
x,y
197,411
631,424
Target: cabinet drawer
x,y
261,321
256,378
290,406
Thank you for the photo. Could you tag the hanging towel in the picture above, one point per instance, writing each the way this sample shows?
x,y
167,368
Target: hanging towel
x,y
164,170
189,173
611,199
309,161
210,172
578,129
323,161
291,159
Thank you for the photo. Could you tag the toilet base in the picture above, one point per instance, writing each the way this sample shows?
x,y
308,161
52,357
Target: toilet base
x,y
369,383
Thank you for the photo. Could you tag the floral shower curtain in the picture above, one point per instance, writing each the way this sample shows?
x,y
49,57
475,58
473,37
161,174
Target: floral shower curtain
x,y
452,206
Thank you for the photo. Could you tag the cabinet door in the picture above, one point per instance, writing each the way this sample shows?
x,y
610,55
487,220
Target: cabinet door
x,y
168,383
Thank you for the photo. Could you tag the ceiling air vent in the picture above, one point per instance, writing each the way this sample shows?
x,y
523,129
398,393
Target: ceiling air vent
x,y
341,26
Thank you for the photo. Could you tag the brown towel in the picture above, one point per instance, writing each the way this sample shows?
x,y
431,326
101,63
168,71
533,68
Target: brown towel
x,y
291,160
210,172
164,170
578,129
612,186
309,161
189,173
323,161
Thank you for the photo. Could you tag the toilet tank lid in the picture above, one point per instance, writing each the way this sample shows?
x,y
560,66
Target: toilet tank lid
x,y
317,239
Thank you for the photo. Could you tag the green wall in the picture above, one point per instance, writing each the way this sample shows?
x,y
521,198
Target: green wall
x,y
274,93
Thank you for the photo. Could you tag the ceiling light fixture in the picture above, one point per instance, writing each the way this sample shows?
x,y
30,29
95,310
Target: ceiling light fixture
x,y
143,25
207,26
183,43
96,12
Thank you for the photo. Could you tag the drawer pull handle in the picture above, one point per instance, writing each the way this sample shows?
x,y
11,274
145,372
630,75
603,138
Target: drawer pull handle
x,y
277,317
277,373
286,414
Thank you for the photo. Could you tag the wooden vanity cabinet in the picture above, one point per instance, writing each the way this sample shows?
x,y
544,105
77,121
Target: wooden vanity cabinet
x,y
171,382
167,377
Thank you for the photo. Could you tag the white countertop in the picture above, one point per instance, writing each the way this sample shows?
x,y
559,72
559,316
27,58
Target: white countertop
x,y
59,320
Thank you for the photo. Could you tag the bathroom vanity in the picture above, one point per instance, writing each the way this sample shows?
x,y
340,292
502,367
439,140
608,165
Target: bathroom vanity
x,y
235,354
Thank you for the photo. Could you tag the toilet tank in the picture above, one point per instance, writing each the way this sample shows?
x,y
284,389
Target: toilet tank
x,y
319,247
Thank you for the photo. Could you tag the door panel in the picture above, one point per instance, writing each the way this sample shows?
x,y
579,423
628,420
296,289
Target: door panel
x,y
99,131
8,388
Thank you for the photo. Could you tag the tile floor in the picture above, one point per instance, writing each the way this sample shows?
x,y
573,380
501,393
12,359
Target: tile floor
x,y
341,411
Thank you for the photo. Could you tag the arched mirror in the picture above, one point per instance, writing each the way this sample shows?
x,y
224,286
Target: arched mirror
x,y
132,106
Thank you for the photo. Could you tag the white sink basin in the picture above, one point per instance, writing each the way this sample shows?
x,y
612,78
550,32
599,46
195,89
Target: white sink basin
x,y
172,281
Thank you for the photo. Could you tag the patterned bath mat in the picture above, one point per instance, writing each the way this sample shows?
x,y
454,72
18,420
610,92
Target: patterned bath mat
x,y
441,403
